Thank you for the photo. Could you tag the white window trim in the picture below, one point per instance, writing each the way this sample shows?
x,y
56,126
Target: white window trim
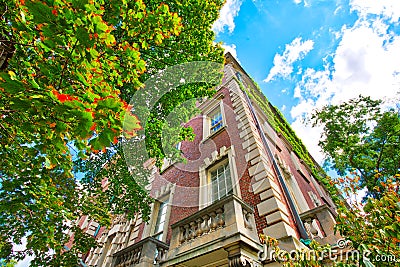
x,y
213,168
205,198
218,104
165,229
165,194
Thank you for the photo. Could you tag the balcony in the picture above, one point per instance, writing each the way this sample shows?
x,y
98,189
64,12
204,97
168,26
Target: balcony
x,y
319,223
148,252
222,233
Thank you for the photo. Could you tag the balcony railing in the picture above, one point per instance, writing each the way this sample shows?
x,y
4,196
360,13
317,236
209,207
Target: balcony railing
x,y
319,223
147,252
225,222
213,218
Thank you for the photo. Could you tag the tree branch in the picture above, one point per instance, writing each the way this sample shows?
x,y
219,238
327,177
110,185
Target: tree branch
x,y
66,63
15,43
378,162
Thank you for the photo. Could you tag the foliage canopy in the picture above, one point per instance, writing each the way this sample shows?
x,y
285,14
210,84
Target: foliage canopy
x,y
358,135
64,92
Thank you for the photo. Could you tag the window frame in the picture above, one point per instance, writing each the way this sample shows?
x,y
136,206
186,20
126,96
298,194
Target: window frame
x,y
215,115
227,180
161,196
225,156
162,210
213,107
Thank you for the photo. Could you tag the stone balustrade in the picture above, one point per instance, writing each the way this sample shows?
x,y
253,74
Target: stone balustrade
x,y
129,258
147,252
228,211
161,253
205,222
222,226
319,223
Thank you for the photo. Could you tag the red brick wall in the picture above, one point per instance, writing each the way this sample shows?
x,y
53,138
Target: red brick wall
x,y
252,199
186,177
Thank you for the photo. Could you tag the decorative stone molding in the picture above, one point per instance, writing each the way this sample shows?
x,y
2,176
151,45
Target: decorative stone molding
x,y
247,216
319,223
224,152
264,182
239,261
146,253
282,164
121,233
215,156
165,190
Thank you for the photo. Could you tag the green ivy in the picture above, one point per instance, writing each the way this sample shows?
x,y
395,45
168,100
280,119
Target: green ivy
x,y
280,125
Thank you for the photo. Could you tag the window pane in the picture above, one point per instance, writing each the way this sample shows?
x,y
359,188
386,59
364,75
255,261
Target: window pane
x,y
161,216
216,121
159,236
213,176
221,183
228,184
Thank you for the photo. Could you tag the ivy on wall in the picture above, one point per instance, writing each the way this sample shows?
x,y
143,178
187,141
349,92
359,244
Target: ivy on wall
x,y
280,125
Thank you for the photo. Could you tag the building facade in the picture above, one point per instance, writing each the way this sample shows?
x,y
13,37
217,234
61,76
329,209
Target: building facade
x,y
243,177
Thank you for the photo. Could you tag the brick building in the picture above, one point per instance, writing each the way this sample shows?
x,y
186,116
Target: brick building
x,y
246,174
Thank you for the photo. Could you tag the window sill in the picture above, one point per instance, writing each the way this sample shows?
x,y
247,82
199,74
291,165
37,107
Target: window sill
x,y
220,130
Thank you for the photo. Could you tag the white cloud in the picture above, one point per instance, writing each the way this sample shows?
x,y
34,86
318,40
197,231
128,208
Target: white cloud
x,y
366,62
307,3
27,260
309,136
390,9
226,16
231,49
283,64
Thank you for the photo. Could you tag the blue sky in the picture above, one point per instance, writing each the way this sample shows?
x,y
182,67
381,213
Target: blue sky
x,y
306,54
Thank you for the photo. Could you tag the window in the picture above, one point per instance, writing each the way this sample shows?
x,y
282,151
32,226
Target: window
x,y
216,121
221,182
239,76
241,79
161,217
218,177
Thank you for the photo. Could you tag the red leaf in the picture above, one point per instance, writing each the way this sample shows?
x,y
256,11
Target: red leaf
x,y
63,97
54,11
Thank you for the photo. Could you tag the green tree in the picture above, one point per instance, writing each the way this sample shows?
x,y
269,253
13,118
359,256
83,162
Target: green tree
x,y
373,226
358,135
11,263
65,83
